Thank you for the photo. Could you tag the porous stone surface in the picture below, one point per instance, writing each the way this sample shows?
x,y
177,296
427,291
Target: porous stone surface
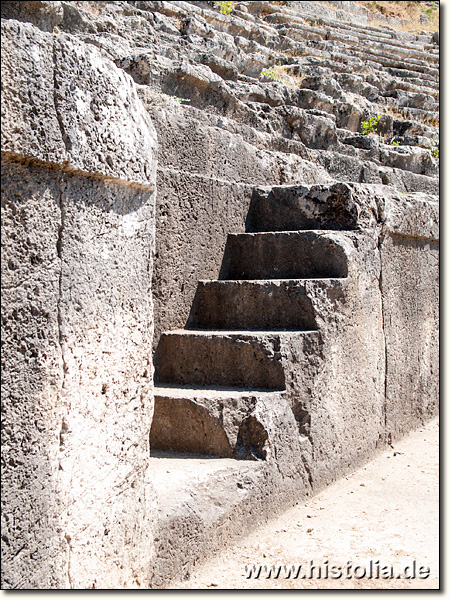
x,y
411,239
78,211
83,122
294,261
234,422
45,15
32,377
336,353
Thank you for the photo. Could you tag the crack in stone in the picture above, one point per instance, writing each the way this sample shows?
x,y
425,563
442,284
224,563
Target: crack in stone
x,y
60,321
383,327
65,138
69,545
59,249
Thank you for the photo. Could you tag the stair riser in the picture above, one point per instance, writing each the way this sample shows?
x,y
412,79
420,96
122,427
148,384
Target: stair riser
x,y
215,360
182,425
295,208
295,255
247,305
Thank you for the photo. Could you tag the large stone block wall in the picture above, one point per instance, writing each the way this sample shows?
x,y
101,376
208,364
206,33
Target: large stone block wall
x,y
207,170
374,376
78,216
409,251
84,301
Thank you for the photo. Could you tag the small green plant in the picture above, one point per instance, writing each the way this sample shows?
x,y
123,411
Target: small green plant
x,y
434,147
370,126
397,143
179,100
271,74
225,7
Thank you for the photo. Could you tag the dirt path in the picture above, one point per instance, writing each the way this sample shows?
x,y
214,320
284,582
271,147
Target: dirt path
x,y
387,512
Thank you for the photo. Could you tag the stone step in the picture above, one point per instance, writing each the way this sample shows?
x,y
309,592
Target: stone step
x,y
301,32
200,504
209,421
429,117
399,79
431,81
258,304
416,160
389,52
321,93
389,44
426,73
237,26
284,255
372,151
334,162
412,83
244,359
398,50
399,99
409,86
294,208
366,171
313,65
383,36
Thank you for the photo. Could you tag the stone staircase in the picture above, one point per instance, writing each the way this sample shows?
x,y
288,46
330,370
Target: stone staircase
x,y
292,358
332,74
242,332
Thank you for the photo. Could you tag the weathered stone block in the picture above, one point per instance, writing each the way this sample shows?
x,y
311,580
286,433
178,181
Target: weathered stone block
x,y
284,255
410,265
78,159
222,358
290,208
45,15
214,422
271,304
33,546
85,101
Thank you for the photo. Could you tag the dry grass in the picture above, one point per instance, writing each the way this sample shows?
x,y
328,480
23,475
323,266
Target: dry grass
x,y
298,79
328,5
283,73
409,27
92,7
432,121
292,53
396,113
408,10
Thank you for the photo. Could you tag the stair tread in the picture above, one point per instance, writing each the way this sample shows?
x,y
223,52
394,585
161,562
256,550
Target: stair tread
x,y
190,392
236,332
274,281
323,232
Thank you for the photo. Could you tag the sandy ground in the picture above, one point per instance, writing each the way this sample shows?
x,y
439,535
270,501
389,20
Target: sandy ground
x,y
386,512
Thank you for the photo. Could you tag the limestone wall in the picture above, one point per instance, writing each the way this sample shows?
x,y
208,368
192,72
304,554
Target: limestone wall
x,y
409,250
78,211
103,104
